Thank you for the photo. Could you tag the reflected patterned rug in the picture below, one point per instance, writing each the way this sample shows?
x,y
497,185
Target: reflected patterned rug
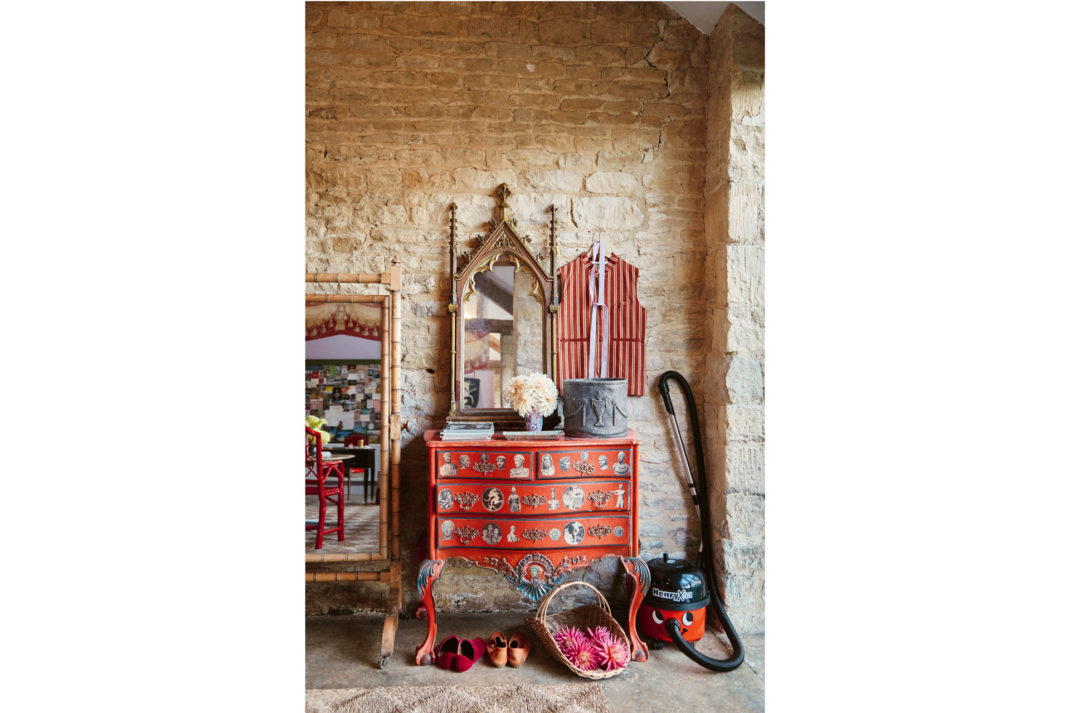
x,y
362,527
566,698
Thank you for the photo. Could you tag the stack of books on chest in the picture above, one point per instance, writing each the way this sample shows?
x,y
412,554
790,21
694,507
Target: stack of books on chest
x,y
467,431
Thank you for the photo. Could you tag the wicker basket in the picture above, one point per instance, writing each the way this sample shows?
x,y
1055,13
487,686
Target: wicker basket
x,y
588,616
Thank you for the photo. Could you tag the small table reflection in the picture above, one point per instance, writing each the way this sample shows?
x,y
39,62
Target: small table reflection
x,y
366,457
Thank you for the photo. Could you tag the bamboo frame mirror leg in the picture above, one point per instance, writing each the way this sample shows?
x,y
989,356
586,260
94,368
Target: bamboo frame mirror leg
x,y
389,557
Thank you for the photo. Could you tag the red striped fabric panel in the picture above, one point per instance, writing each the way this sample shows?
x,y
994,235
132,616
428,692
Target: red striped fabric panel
x,y
627,328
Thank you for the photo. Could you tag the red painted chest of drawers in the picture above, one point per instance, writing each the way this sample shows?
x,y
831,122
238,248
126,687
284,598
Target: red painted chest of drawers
x,y
532,510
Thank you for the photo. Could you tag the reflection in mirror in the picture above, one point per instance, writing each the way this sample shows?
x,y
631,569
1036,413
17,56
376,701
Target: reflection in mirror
x,y
343,384
503,325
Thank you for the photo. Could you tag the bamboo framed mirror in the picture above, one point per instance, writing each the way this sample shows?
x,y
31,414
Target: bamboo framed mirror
x,y
347,383
503,307
382,555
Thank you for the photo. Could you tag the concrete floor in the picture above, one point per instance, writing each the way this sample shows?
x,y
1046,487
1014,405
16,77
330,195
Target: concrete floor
x,y
343,652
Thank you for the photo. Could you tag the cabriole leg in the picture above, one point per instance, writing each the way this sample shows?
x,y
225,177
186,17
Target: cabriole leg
x,y
638,580
425,580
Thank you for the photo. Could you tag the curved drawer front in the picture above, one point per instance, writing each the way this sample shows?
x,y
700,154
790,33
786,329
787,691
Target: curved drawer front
x,y
590,462
505,464
546,533
500,497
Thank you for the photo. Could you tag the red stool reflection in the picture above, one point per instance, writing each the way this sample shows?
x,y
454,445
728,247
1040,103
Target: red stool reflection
x,y
317,473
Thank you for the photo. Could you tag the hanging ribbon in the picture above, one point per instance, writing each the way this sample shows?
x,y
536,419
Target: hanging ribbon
x,y
598,258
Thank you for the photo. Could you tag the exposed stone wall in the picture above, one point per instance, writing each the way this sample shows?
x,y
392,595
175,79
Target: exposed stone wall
x,y
599,108
735,235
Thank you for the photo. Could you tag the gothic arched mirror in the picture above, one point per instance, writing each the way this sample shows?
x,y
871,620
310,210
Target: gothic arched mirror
x,y
503,306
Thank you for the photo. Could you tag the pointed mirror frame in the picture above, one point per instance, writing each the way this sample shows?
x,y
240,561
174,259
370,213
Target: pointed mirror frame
x,y
503,240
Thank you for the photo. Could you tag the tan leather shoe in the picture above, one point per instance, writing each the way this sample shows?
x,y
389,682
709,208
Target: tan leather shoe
x,y
497,649
519,648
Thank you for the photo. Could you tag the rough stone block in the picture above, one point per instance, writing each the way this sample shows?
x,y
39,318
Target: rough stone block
x,y
499,27
743,424
651,529
568,181
746,274
746,516
363,43
421,26
748,97
746,328
744,380
685,538
563,32
744,212
748,45
746,155
321,40
351,20
325,57
744,592
605,212
474,211
605,182
745,466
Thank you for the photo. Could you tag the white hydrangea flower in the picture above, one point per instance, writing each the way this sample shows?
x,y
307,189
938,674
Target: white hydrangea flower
x,y
533,392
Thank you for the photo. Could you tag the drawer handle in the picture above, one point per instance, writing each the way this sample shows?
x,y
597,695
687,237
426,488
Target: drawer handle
x,y
534,534
466,534
533,501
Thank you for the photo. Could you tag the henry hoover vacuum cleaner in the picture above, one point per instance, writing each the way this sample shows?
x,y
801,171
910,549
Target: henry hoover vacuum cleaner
x,y
674,608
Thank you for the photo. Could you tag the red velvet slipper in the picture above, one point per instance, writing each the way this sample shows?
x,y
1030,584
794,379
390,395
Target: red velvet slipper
x,y
470,651
447,651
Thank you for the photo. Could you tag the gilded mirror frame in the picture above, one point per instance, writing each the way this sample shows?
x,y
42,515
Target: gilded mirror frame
x,y
502,242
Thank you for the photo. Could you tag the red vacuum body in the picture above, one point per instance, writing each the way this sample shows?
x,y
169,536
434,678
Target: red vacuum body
x,y
677,591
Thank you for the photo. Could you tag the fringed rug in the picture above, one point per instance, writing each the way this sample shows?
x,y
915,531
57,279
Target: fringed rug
x,y
528,698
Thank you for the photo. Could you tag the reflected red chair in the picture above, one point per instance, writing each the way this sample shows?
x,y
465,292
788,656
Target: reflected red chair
x,y
317,473
356,440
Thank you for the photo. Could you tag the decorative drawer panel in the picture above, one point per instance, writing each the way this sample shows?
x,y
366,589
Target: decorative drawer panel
x,y
534,499
560,463
526,533
508,465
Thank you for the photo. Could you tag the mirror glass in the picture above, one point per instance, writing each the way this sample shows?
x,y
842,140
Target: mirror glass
x,y
343,384
503,335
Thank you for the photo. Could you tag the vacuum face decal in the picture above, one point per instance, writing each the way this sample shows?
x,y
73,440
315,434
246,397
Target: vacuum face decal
x,y
651,623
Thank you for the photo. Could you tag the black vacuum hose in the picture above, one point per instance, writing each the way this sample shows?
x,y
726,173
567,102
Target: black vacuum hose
x,y
705,559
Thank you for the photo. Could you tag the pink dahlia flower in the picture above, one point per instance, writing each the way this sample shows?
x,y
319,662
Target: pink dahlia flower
x,y
615,654
599,636
585,656
568,638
